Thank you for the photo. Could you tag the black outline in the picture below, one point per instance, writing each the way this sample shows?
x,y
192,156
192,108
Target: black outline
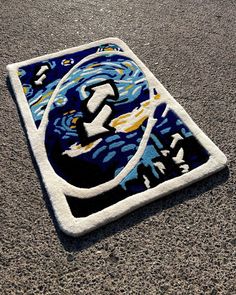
x,y
89,116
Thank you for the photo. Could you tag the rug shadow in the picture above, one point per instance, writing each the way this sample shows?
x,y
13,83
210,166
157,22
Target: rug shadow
x,y
154,208
72,244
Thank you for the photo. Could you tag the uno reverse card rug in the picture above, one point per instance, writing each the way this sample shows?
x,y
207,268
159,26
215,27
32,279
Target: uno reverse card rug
x,y
107,136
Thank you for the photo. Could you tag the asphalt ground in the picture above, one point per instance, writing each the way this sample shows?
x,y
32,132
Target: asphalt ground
x,y
182,244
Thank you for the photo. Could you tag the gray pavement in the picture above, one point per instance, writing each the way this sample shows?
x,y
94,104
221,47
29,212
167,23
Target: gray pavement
x,y
182,244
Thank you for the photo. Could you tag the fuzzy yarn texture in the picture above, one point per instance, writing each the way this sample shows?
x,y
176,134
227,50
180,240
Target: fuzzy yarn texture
x,y
106,134
183,243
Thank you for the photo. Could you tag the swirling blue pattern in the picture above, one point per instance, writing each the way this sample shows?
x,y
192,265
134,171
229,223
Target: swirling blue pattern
x,y
54,75
133,89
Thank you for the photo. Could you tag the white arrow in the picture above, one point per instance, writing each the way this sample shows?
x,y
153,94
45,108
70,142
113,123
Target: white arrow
x,y
40,73
96,126
146,181
185,168
160,166
40,80
100,93
178,159
176,137
165,152
42,70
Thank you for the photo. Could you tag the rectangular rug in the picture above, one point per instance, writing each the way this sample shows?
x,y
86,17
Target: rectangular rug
x,y
106,135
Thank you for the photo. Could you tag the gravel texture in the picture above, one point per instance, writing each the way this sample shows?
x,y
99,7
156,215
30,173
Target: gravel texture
x,y
182,244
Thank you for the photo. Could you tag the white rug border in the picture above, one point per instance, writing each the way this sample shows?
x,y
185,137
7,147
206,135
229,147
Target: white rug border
x,y
79,226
